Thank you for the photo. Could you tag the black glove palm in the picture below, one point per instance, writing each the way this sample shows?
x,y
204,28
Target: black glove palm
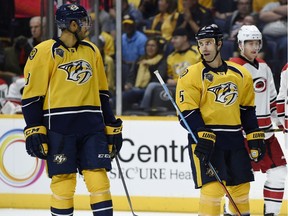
x,y
205,145
114,136
256,145
36,141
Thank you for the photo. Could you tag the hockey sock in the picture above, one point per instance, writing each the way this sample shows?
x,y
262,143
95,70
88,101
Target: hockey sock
x,y
98,185
210,199
274,189
63,189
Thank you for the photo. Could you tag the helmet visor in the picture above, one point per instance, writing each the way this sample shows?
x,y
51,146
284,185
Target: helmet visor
x,y
86,22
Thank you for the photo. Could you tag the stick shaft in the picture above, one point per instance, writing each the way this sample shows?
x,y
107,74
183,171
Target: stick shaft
x,y
124,185
273,130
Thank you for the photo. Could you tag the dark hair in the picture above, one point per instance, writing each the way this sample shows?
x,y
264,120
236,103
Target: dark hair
x,y
160,42
172,6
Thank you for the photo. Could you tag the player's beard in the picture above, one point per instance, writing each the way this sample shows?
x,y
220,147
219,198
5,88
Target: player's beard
x,y
82,35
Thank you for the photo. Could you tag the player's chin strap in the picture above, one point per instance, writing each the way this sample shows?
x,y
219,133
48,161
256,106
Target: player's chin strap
x,y
212,59
75,33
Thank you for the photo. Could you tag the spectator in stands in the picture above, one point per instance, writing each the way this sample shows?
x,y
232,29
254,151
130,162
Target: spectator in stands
x,y
222,11
36,30
206,3
274,15
257,5
148,8
142,73
106,22
194,16
133,45
183,56
129,9
108,65
109,47
252,20
166,20
15,59
235,21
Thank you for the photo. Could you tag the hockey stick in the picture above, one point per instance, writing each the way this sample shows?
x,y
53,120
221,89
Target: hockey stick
x,y
124,185
194,138
274,130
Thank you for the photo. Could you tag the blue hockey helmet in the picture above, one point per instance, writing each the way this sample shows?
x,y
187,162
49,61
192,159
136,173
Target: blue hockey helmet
x,y
209,31
72,12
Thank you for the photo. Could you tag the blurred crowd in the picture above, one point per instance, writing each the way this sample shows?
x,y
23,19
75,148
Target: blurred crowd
x,y
156,35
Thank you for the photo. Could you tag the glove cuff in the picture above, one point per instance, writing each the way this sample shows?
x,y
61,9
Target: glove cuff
x,y
114,128
110,130
208,135
28,131
256,135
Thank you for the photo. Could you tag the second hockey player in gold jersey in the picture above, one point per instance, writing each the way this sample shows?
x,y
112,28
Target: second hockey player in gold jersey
x,y
216,99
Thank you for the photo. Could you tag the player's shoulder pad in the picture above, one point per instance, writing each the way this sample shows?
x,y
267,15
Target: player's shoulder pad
x,y
238,60
91,45
239,69
260,60
285,67
189,71
42,49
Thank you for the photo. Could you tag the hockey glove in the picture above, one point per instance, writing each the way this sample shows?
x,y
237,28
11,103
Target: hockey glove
x,y
36,141
205,145
256,145
114,136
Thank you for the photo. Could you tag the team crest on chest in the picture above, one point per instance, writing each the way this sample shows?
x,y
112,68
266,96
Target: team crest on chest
x,y
225,93
59,52
260,84
208,77
78,71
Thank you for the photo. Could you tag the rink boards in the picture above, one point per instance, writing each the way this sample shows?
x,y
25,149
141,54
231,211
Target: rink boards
x,y
154,161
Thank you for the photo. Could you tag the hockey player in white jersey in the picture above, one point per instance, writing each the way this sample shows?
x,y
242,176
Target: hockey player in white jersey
x,y
274,163
282,102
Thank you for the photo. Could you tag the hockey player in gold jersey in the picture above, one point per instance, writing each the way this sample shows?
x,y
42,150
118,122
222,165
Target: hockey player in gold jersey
x,y
216,99
66,108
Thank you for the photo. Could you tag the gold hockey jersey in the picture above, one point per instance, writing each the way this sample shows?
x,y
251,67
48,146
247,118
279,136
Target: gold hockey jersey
x,y
218,98
70,81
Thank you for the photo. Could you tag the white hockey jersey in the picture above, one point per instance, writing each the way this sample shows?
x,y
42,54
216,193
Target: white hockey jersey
x,y
265,92
282,101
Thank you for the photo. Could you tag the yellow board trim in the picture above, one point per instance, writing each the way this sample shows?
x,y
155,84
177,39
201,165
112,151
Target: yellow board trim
x,y
140,203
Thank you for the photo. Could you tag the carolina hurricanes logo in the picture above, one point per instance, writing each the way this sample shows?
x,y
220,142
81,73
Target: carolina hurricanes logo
x,y
225,93
78,71
259,84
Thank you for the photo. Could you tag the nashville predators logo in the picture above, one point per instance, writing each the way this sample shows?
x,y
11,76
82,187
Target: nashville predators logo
x,y
59,158
78,71
226,93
